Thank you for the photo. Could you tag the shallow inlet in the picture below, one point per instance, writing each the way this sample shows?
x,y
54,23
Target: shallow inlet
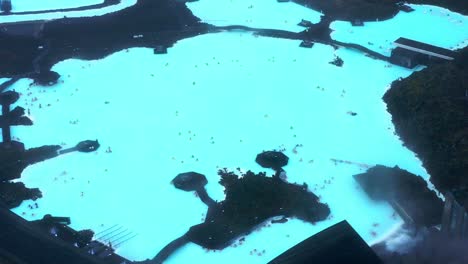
x,y
215,101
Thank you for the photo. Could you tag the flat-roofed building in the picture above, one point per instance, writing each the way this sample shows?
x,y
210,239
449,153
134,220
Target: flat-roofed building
x,y
409,53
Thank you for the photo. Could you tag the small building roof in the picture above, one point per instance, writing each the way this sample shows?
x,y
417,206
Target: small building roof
x,y
425,48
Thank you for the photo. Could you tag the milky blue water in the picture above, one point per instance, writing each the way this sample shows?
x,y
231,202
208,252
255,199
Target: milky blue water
x,y
215,101
34,5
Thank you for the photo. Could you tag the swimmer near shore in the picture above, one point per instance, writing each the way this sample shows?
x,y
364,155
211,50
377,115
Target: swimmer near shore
x,y
251,200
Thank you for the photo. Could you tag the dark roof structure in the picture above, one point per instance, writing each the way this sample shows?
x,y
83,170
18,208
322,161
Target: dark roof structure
x,y
455,216
339,243
424,48
405,58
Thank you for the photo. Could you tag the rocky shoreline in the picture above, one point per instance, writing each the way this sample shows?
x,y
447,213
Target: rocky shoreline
x,y
106,3
146,24
429,108
156,23
430,112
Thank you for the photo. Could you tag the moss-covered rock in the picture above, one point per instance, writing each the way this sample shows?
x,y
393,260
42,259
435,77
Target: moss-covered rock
x,y
430,113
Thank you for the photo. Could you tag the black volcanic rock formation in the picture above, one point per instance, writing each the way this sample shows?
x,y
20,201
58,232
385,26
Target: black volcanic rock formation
x,y
105,3
46,78
157,23
161,22
14,193
454,5
372,10
14,158
408,191
430,112
15,117
251,200
365,10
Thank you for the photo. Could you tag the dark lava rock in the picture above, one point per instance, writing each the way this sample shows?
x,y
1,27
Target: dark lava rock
x,y
190,181
14,193
430,112
272,159
318,32
454,5
365,10
250,201
16,117
406,189
161,22
14,158
372,10
46,78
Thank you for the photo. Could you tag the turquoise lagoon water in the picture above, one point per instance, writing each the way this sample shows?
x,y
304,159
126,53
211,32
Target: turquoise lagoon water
x,y
215,101
34,5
